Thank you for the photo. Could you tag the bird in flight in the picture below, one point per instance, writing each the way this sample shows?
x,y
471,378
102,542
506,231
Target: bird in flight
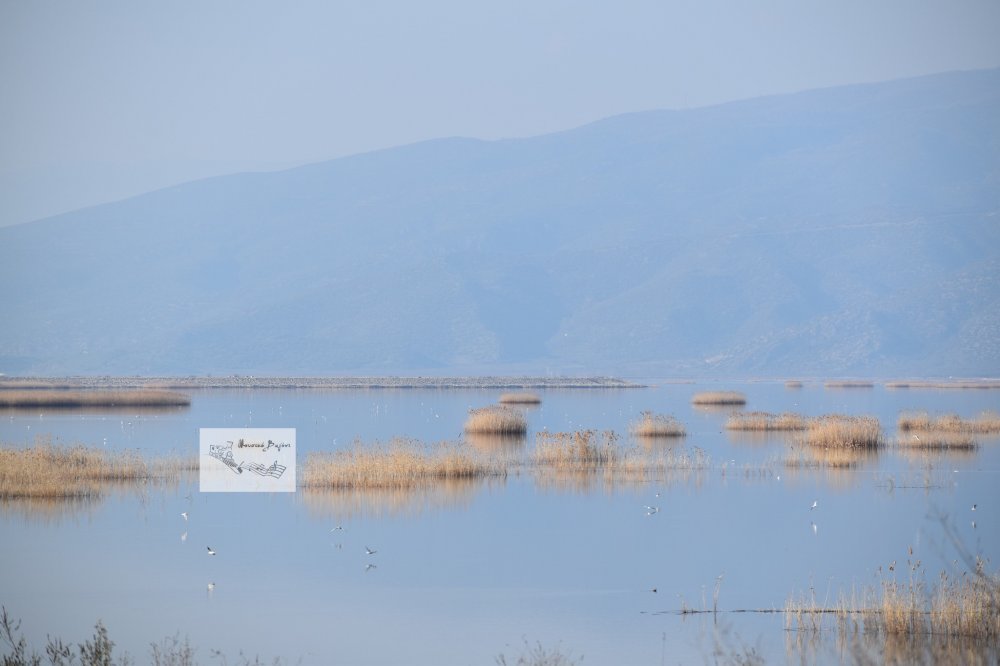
x,y
184,515
338,528
650,510
814,505
211,586
210,551
370,551
370,567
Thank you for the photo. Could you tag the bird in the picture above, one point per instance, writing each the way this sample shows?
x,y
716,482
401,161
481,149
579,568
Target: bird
x,y
370,551
210,551
211,586
974,506
369,567
184,537
653,590
973,524
650,510
184,515
337,528
814,505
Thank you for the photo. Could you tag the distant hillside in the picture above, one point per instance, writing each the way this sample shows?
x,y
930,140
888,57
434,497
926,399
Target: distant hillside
x,y
852,230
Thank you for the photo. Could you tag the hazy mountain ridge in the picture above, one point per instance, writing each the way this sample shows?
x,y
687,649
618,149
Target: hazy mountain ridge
x,y
842,231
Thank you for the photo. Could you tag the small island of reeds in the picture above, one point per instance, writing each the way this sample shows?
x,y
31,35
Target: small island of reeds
x,y
719,398
985,423
496,419
520,398
763,421
74,398
657,425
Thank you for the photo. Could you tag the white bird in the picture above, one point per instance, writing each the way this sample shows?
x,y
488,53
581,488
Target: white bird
x,y
650,510
337,528
974,507
184,537
211,586
210,551
184,515
370,551
814,505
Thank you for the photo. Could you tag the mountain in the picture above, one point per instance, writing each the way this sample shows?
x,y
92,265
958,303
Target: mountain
x,y
844,231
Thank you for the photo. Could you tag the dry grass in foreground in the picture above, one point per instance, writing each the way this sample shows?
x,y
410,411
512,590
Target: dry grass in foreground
x,y
45,471
525,398
399,464
69,399
719,398
760,421
968,606
497,419
985,423
657,425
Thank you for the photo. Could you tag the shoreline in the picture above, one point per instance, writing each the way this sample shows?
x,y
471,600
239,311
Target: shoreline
x,y
254,382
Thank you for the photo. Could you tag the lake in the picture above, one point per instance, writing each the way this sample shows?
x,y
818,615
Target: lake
x,y
466,571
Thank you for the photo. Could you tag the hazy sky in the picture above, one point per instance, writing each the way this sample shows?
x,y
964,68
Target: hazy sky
x,y
101,100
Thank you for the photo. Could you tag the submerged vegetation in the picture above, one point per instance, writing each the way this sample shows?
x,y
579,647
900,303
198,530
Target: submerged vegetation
x,y
70,399
496,419
719,398
657,425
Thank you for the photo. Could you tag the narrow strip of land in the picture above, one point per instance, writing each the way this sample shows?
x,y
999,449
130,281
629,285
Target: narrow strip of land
x,y
255,382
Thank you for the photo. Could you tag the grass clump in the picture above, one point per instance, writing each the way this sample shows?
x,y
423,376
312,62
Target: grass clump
x,y
719,398
522,398
761,421
72,399
497,419
399,464
657,425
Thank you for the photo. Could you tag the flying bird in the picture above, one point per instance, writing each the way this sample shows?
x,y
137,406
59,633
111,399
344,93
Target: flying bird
x,y
370,551
184,515
338,528
211,586
210,551
370,567
814,505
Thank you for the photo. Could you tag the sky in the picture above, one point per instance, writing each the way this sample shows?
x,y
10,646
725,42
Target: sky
x,y
106,99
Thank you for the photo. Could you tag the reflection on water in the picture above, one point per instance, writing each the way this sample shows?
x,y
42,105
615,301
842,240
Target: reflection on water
x,y
564,554
353,503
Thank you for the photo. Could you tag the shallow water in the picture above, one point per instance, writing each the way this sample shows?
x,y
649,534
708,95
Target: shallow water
x,y
466,571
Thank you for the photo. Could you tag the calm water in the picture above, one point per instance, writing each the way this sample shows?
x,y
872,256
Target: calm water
x,y
467,571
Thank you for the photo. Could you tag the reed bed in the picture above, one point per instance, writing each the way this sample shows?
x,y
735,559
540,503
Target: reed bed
x,y
849,383
967,606
793,384
923,384
496,419
522,398
657,425
840,431
401,463
583,448
986,423
761,421
935,440
70,399
719,398
56,472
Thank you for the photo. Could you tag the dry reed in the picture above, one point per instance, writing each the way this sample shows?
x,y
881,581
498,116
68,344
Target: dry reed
x,y
525,398
985,423
70,399
849,383
793,383
719,398
497,419
47,471
840,431
657,425
401,463
766,421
